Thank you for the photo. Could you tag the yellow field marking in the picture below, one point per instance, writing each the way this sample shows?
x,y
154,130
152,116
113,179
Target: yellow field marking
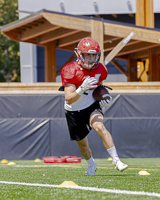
x,y
11,163
4,161
143,173
37,160
67,184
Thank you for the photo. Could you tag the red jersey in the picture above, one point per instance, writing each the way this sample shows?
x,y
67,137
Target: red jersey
x,y
73,73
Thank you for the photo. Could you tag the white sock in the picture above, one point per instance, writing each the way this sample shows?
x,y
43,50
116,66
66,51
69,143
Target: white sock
x,y
113,153
90,161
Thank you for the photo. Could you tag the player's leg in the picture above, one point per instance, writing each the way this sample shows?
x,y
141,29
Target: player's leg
x,y
78,129
84,148
96,122
87,155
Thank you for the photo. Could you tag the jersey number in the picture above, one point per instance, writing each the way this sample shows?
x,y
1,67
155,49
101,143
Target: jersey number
x,y
97,77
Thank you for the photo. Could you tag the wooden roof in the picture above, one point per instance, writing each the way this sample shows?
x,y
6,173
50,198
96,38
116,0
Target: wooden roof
x,y
67,30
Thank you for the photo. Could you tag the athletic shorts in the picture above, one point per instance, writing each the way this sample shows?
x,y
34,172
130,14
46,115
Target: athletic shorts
x,y
78,121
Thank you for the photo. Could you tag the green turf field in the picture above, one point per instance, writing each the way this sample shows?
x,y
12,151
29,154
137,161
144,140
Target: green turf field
x,y
25,174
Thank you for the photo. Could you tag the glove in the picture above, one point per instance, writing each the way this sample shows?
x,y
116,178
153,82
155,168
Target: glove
x,y
105,103
87,84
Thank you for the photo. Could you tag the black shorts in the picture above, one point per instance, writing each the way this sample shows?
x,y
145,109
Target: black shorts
x,y
78,121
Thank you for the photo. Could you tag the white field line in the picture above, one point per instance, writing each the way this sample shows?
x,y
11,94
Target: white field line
x,y
87,189
28,184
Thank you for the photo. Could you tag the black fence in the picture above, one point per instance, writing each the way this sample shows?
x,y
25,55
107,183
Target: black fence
x,y
34,126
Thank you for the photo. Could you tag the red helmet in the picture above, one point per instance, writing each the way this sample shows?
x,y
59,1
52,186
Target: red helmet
x,y
88,46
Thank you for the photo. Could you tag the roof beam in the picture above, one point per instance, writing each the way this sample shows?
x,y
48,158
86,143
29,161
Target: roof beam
x,y
109,39
137,47
119,67
144,54
68,21
57,34
75,38
142,34
38,30
34,41
110,46
21,22
14,35
123,57
140,54
68,48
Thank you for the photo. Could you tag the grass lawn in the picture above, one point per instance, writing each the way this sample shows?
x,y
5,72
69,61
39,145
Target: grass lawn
x,y
27,171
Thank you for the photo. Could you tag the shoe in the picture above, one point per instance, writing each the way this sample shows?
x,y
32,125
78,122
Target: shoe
x,y
120,166
91,170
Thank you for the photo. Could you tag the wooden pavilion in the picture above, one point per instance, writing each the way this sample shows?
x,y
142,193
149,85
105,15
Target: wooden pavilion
x,y
56,30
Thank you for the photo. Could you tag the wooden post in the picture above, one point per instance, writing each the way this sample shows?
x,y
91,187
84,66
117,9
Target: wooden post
x,y
149,22
140,13
145,17
150,73
132,69
154,72
149,14
50,62
97,33
140,21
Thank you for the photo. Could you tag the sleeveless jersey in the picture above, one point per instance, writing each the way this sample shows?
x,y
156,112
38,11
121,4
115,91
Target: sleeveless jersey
x,y
73,73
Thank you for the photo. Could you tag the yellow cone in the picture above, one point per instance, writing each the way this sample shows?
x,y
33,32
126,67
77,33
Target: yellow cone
x,y
110,159
4,161
143,173
67,183
37,160
11,163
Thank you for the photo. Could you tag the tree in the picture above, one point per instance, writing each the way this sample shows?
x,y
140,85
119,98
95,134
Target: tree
x,y
9,50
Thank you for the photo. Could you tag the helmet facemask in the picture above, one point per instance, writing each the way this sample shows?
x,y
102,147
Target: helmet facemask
x,y
88,63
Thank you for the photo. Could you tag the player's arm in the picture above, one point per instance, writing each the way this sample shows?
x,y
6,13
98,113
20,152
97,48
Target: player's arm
x,y
71,95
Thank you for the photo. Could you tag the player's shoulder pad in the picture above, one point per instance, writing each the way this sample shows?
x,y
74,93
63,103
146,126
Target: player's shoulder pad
x,y
101,65
68,71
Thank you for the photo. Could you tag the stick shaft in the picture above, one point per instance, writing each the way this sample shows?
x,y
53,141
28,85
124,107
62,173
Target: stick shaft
x,y
117,48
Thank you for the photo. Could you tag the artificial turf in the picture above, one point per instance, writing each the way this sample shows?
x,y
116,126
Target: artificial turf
x,y
27,171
